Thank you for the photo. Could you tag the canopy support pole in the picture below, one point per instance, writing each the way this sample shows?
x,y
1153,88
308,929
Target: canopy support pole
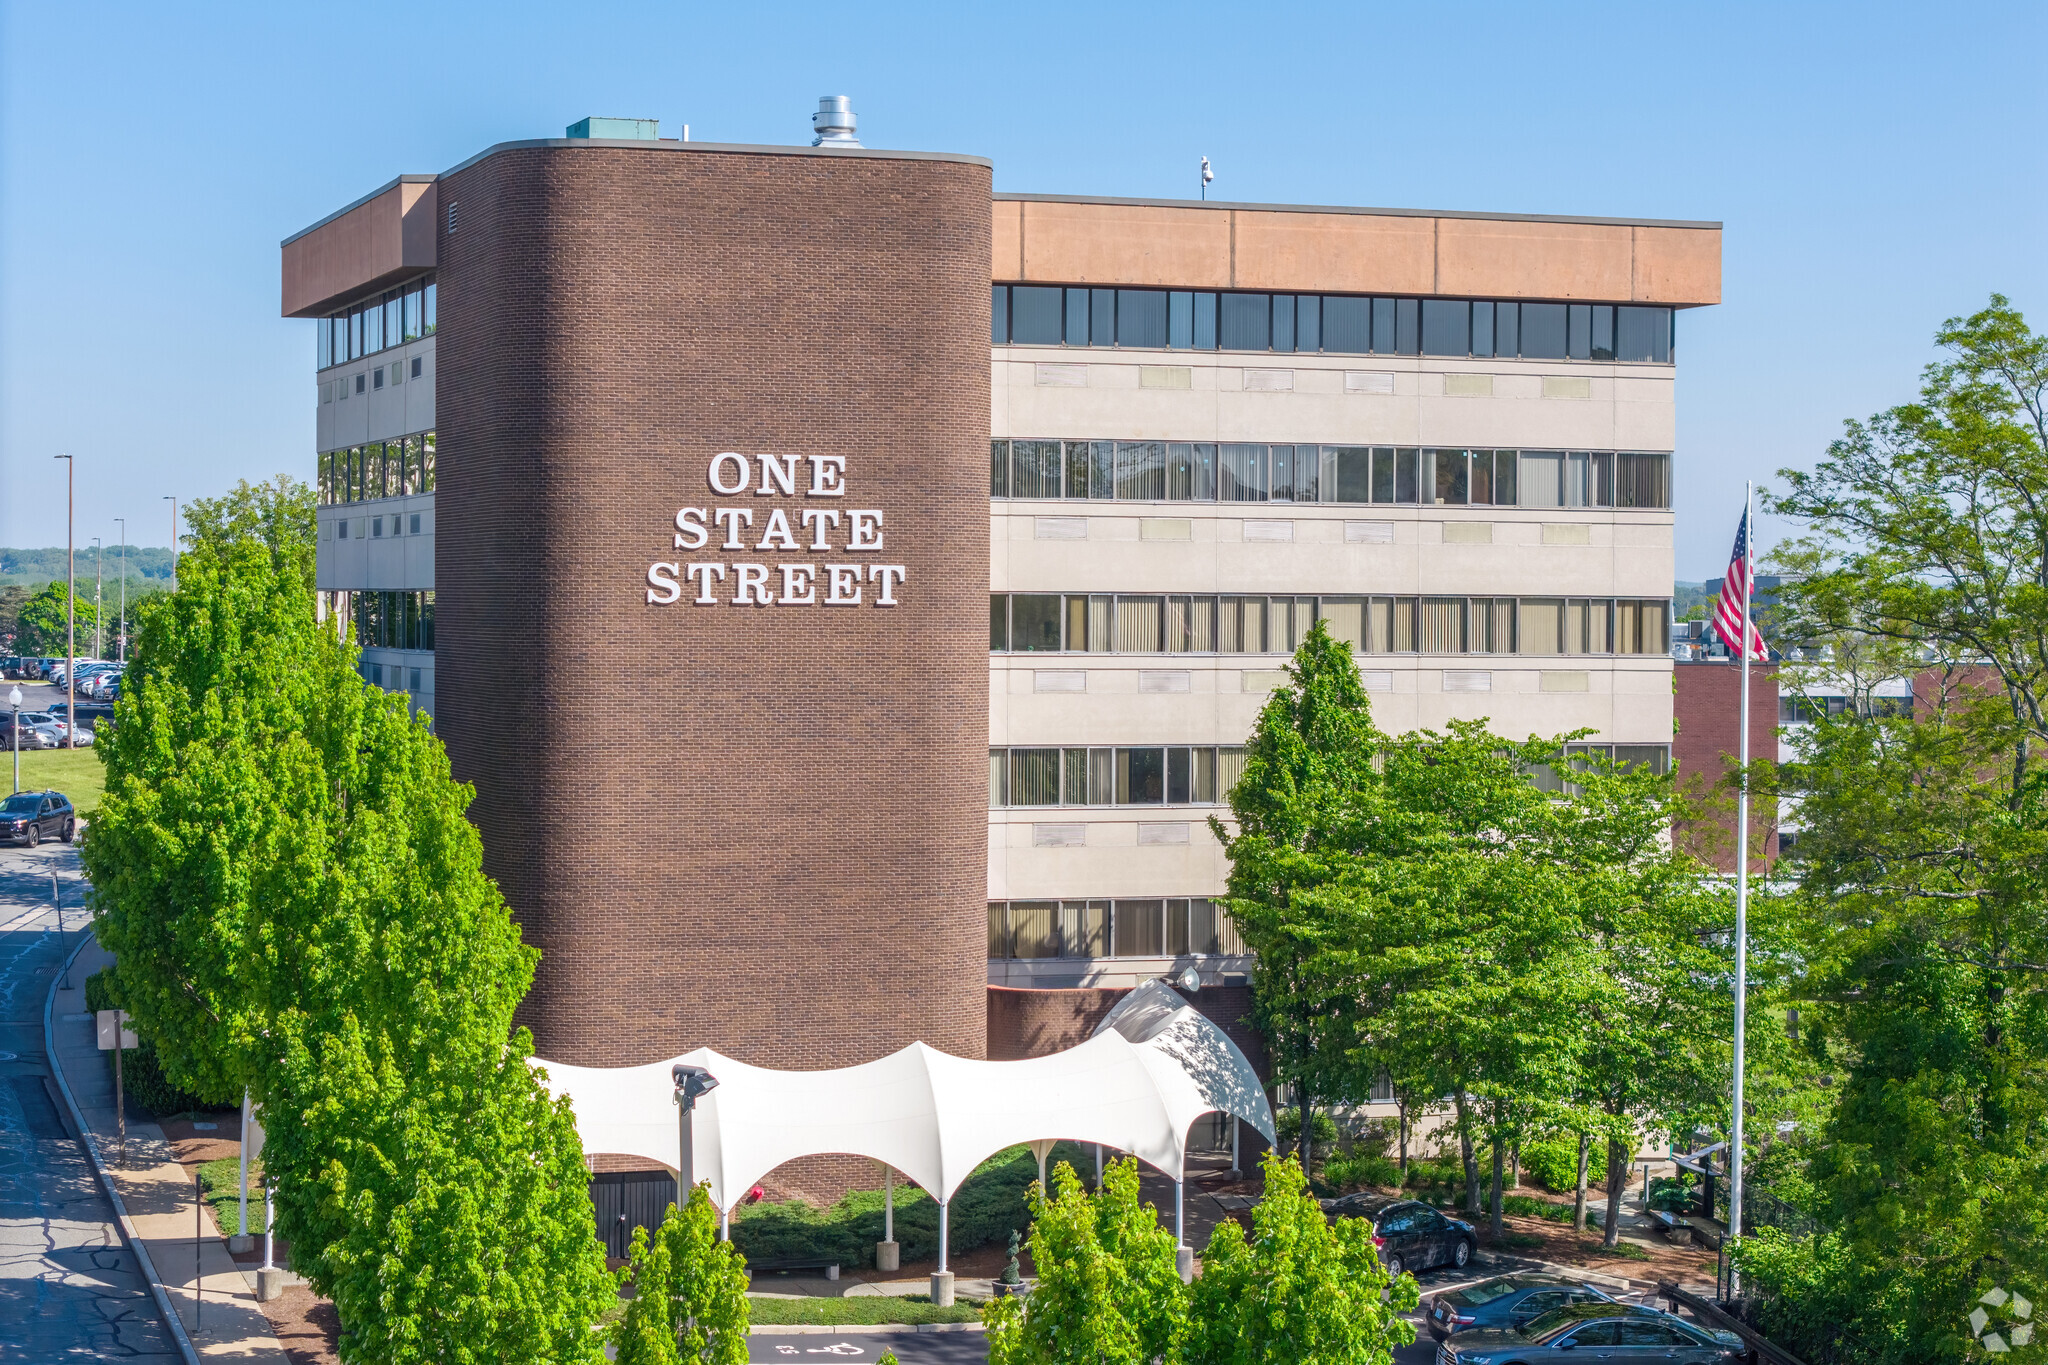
x,y
1183,1254
1235,1124
725,1225
889,1204
1098,1165
942,1237
942,1278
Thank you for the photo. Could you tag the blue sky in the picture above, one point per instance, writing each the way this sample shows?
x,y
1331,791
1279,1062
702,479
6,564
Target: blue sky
x,y
1878,168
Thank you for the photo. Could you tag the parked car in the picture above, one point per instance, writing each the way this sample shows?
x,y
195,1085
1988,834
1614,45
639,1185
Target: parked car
x,y
27,736
1409,1233
1613,1332
30,817
1505,1301
58,725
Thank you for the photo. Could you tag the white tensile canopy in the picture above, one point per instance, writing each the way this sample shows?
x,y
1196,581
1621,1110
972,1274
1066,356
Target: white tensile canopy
x,y
1153,1067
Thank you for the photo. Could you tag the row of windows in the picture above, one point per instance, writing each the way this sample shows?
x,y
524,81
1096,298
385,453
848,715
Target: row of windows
x,y
1655,757
391,319
1198,471
381,469
1333,324
1172,927
1793,710
1156,623
338,390
394,620
373,528
1149,775
391,677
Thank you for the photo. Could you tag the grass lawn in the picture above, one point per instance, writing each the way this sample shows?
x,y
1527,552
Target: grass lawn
x,y
77,773
225,1197
871,1310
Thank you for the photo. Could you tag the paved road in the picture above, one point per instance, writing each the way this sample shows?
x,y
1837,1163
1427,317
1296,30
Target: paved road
x,y
69,1289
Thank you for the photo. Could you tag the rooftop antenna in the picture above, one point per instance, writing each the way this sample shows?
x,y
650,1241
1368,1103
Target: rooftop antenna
x,y
1207,176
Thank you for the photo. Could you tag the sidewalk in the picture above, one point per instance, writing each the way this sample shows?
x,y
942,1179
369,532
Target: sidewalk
x,y
211,1297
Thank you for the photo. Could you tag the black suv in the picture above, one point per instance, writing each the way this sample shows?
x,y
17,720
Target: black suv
x,y
1410,1234
30,817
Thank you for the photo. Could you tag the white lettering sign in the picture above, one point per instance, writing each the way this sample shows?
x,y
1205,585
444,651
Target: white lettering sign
x,y
796,583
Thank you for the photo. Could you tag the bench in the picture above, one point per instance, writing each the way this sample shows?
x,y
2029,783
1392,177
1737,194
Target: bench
x,y
1676,1229
829,1268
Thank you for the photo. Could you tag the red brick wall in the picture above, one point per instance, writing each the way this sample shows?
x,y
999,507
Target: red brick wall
x,y
760,829
1707,702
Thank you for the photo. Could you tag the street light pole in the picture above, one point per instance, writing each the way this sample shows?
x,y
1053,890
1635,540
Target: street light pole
x,y
96,580
174,540
121,640
14,729
690,1081
70,604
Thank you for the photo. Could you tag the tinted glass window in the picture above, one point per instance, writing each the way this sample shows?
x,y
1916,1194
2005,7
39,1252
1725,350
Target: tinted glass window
x,y
1180,320
1141,317
1141,469
1035,315
1077,317
1580,328
1407,326
1446,327
1603,331
1283,322
1102,320
1347,325
1205,322
1649,1334
1140,777
427,307
1139,925
1383,326
1507,329
1482,329
1543,331
1308,322
999,315
1598,1334
1035,621
999,469
1247,322
999,622
19,805
1642,334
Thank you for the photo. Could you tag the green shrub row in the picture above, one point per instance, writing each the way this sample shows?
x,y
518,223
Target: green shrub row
x,y
1554,1164
985,1209
142,1074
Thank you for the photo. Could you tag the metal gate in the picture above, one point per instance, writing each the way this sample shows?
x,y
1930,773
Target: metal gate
x,y
626,1200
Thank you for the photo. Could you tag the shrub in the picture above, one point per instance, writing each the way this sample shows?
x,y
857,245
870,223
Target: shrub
x,y
99,990
1287,1129
1554,1164
142,1077
1353,1172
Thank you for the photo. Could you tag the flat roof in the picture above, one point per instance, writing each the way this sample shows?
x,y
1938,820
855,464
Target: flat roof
x,y
1351,209
650,145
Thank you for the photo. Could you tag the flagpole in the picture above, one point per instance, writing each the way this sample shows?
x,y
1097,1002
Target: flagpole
x,y
1742,867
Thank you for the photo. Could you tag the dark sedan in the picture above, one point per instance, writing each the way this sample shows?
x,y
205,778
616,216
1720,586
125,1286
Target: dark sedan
x,y
30,817
1410,1234
1616,1333
1508,1301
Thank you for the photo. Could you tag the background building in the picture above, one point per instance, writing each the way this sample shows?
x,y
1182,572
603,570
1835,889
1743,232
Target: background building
x,y
1449,435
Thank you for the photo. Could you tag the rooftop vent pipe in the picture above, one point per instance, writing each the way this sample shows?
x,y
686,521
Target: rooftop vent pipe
x,y
834,122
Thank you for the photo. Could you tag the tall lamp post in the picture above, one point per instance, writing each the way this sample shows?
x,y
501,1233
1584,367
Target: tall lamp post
x,y
691,1081
121,639
70,604
96,581
14,730
174,540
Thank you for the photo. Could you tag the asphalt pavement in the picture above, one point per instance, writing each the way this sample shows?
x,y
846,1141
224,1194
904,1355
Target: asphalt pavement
x,y
69,1288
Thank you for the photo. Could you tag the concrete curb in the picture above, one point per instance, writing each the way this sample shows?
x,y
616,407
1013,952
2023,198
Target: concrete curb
x,y
164,1306
867,1329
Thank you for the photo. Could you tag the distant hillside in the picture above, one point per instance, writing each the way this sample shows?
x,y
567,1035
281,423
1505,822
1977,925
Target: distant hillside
x,y
148,566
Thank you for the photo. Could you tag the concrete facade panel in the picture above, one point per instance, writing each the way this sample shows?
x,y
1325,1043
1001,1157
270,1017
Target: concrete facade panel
x,y
1677,265
1533,260
772,842
1342,253
1125,244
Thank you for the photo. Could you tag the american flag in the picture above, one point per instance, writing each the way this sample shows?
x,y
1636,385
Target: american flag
x,y
1728,611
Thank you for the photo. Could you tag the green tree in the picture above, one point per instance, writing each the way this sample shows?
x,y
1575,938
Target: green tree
x,y
279,515
1108,1292
647,1334
1299,1291
284,870
41,626
709,1282
1923,856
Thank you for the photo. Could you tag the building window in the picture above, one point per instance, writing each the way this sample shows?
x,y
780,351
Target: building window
x,y
1181,926
1628,757
381,469
1177,471
392,318
394,620
1151,623
1329,324
1172,775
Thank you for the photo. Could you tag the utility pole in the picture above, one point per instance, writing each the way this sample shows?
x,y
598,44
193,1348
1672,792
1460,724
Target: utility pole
x,y
70,606
121,640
